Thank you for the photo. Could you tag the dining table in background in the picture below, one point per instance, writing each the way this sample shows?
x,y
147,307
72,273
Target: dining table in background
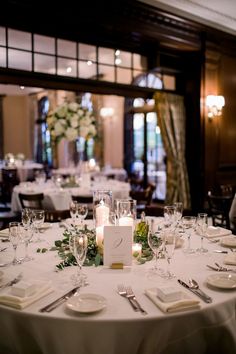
x,y
117,328
25,170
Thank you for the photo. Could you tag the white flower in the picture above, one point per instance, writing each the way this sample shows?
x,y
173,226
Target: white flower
x,y
71,121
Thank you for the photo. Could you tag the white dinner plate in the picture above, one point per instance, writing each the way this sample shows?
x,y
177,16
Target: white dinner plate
x,y
222,281
86,303
229,241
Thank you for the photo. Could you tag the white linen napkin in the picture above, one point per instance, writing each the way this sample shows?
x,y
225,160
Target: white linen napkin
x,y
185,303
230,258
213,231
4,233
17,302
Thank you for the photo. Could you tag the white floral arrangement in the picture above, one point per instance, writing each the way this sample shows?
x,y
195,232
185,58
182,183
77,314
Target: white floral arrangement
x,y
70,121
9,157
20,156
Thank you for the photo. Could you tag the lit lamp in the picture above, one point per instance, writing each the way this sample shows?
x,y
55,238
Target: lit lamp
x,y
214,104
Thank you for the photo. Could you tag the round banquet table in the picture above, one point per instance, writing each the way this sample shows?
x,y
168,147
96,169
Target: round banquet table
x,y
117,328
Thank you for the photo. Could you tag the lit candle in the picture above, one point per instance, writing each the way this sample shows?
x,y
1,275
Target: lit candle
x,y
102,214
126,221
136,250
99,236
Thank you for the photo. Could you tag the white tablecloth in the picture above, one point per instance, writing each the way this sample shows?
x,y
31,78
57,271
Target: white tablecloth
x,y
59,199
117,328
232,214
25,171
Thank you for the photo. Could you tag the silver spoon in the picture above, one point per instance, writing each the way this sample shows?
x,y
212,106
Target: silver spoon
x,y
194,285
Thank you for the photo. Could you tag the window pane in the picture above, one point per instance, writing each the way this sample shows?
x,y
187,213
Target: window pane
x,y
87,71
106,55
19,60
136,74
66,48
139,62
106,73
19,39
44,64
66,67
125,59
3,57
87,52
169,82
124,76
44,44
2,36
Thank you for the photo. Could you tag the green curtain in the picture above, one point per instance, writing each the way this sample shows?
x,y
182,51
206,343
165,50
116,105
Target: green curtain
x,y
171,119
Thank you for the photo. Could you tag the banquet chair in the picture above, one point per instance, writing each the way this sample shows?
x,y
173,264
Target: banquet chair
x,y
219,207
32,201
143,196
9,180
85,200
56,215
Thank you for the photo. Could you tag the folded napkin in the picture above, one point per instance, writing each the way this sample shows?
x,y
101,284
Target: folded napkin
x,y
230,258
4,233
186,302
17,302
213,231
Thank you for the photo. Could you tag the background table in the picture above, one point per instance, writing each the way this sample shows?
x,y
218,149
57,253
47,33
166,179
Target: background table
x,y
117,328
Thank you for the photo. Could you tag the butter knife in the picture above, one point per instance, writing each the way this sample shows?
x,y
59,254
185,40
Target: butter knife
x,y
59,301
202,295
220,251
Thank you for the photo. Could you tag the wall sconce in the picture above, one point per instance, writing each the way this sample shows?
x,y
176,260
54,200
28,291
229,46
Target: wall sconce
x,y
106,112
214,104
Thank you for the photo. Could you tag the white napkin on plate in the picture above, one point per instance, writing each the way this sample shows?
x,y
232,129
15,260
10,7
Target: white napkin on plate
x,y
230,258
213,231
185,303
43,288
4,233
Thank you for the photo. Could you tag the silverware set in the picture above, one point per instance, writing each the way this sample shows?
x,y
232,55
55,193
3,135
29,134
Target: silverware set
x,y
220,268
194,287
128,293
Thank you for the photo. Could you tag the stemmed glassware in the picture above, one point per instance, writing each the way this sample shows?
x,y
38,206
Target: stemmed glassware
x,y
26,234
82,211
38,217
188,223
178,211
155,241
73,210
202,223
14,237
169,215
26,217
78,243
169,238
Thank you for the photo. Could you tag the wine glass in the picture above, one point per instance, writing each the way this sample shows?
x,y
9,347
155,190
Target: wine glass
x,y
78,243
14,237
73,210
26,217
188,223
38,217
169,216
155,241
26,234
169,238
82,211
202,223
178,211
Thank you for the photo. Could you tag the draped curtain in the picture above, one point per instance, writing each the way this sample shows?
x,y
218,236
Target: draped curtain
x,y
171,119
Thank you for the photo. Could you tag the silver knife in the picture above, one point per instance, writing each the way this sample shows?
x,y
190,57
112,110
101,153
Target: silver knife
x,y
220,251
203,296
59,301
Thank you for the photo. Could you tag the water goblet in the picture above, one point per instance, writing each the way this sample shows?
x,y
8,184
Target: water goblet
x,y
14,237
38,217
188,223
169,239
78,243
73,210
155,241
202,223
82,212
26,217
26,234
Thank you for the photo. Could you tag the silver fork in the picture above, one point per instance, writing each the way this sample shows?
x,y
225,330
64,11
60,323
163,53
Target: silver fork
x,y
11,282
131,295
122,292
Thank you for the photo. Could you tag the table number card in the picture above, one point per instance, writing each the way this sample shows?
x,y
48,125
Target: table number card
x,y
117,245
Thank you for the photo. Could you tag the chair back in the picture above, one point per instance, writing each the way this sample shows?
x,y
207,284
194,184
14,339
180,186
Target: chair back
x,y
143,197
56,215
31,201
9,180
219,207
